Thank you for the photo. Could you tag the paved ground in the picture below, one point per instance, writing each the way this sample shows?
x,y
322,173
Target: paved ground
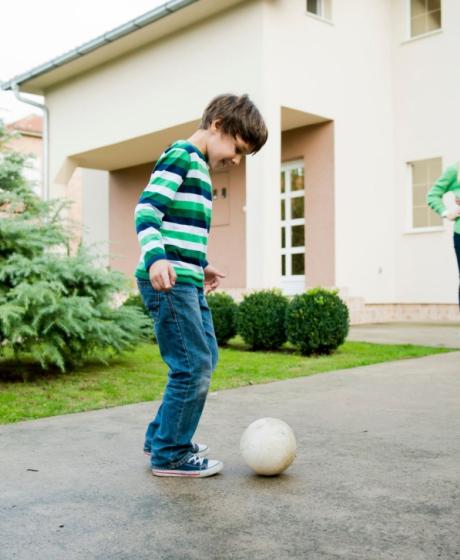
x,y
377,476
433,334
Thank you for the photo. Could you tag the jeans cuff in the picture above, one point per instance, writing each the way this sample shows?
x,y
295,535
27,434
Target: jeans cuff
x,y
177,464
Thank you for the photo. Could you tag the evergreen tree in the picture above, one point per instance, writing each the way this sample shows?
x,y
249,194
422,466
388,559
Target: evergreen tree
x,y
56,308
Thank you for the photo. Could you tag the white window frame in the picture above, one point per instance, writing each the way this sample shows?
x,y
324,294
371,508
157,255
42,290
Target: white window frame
x,y
325,11
291,283
409,228
320,6
409,37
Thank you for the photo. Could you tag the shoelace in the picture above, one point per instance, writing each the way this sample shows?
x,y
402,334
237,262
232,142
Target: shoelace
x,y
195,460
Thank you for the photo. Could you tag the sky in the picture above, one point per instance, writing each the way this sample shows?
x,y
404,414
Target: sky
x,y
35,31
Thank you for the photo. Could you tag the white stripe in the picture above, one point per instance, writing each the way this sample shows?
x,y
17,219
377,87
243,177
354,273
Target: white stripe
x,y
197,174
148,231
149,208
154,244
189,266
198,159
161,190
193,245
184,228
190,197
166,175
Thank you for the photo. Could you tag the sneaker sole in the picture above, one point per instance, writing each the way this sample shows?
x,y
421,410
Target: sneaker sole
x,y
204,453
184,474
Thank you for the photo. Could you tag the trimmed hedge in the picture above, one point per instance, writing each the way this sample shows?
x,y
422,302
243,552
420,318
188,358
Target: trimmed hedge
x,y
223,310
317,321
261,319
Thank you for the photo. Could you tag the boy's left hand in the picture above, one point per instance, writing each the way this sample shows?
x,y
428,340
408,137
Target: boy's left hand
x,y
211,278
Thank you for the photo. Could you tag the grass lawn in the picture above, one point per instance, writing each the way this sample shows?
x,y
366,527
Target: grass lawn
x,y
141,375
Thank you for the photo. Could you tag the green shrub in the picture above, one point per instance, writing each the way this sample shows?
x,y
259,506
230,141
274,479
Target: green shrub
x,y
224,311
317,321
261,319
135,301
57,306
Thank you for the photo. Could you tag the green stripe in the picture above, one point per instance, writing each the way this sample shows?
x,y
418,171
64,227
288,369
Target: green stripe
x,y
184,235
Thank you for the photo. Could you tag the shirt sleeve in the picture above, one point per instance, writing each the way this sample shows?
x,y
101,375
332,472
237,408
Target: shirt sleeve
x,y
439,189
168,175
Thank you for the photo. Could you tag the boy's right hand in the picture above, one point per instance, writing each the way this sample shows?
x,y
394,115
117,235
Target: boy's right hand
x,y
452,213
162,275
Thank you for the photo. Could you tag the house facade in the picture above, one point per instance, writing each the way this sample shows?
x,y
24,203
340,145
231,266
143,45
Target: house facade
x,y
360,102
27,139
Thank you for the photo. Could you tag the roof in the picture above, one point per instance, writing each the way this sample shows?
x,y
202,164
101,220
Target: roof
x,y
32,125
154,24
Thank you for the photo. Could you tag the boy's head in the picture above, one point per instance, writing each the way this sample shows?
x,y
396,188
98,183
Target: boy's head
x,y
234,128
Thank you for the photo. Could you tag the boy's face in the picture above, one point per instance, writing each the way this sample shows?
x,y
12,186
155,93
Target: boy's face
x,y
223,149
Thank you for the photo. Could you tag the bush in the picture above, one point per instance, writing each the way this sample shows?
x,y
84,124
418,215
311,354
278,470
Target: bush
x,y
56,308
223,310
317,321
261,319
135,301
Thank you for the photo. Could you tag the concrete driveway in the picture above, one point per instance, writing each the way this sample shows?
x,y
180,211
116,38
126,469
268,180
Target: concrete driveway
x,y
377,476
425,334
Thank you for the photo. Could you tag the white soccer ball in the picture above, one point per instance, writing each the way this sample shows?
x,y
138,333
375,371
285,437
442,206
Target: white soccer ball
x,y
268,446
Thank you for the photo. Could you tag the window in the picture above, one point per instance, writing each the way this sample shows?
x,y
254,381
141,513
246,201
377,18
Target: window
x,y
425,16
293,226
320,8
424,174
314,7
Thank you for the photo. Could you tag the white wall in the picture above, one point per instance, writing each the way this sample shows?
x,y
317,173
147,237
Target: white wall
x,y
342,70
391,102
156,87
427,117
95,212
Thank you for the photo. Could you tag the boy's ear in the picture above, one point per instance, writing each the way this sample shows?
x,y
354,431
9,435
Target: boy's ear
x,y
216,124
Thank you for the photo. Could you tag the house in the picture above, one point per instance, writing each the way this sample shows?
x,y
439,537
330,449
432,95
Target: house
x,y
360,101
27,139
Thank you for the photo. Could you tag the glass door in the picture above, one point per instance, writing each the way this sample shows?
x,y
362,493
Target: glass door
x,y
292,227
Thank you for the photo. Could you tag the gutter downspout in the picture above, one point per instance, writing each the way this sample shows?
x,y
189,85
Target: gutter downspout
x,y
45,166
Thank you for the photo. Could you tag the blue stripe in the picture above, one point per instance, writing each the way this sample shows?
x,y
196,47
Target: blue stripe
x,y
192,189
165,166
146,198
174,256
187,221
144,225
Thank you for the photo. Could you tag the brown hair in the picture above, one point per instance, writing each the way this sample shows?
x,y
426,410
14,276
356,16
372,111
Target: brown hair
x,y
238,116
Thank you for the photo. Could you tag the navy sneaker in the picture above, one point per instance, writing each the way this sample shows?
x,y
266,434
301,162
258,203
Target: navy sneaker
x,y
199,449
195,467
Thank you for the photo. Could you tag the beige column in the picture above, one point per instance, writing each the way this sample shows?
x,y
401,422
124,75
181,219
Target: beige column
x,y
263,217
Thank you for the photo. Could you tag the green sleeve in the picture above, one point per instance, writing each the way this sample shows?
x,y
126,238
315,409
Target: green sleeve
x,y
439,189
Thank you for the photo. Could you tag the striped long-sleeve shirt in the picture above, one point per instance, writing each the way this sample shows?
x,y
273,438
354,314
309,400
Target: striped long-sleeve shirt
x,y
173,214
448,182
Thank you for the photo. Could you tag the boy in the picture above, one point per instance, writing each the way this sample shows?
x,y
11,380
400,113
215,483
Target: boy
x,y
173,218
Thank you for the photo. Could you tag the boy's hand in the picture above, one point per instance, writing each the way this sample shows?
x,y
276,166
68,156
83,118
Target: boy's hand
x,y
211,278
452,213
162,275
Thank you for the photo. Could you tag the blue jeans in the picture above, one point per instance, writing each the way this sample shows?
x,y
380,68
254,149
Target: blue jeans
x,y
457,253
185,334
